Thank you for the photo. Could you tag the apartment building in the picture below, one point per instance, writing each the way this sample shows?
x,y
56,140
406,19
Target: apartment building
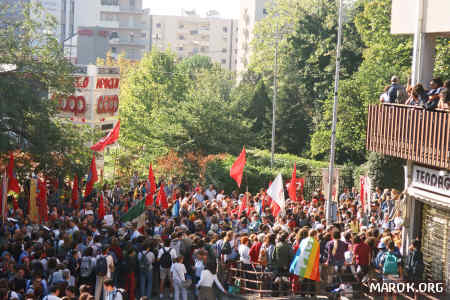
x,y
251,12
189,35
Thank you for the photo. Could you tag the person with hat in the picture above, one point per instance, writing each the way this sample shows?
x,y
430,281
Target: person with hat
x,y
397,92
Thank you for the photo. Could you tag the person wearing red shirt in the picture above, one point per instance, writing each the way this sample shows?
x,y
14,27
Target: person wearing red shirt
x,y
256,247
361,257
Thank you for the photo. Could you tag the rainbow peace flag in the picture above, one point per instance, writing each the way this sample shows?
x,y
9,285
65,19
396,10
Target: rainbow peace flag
x,y
306,260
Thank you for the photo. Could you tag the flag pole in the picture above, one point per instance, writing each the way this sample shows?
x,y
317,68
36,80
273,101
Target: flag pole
x,y
4,196
333,128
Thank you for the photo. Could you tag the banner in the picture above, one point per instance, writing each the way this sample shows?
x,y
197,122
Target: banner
x,y
306,260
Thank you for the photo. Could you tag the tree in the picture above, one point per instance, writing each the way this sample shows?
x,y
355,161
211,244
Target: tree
x,y
306,63
33,64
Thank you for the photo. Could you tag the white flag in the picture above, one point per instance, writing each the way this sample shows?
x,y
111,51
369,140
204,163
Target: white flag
x,y
276,192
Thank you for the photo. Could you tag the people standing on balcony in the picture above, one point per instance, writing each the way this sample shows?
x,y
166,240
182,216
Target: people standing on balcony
x,y
433,94
444,99
397,92
384,98
419,96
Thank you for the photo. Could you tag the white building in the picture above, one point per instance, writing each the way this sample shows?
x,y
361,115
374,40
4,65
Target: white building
x,y
251,12
125,21
190,35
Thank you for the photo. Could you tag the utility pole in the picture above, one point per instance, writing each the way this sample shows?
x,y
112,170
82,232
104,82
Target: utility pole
x,y
274,102
333,128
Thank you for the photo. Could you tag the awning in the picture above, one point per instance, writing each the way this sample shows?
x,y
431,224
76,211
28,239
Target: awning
x,y
429,197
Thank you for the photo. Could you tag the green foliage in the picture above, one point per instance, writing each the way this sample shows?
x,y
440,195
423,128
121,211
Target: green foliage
x,y
27,117
386,172
257,172
384,56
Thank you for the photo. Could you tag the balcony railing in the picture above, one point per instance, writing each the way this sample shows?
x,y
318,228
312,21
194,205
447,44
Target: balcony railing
x,y
410,133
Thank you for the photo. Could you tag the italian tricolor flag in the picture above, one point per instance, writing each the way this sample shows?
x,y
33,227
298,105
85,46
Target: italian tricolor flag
x,y
136,214
306,260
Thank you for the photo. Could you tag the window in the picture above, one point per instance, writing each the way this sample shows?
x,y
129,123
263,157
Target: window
x,y
265,11
158,25
195,50
181,26
194,32
181,37
180,49
113,49
223,61
107,17
132,3
225,29
110,2
143,35
114,35
224,50
204,49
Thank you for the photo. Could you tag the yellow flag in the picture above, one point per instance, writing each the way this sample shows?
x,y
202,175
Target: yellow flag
x,y
135,193
33,207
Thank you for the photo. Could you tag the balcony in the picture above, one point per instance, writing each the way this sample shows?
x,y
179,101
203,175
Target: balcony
x,y
131,10
410,133
128,42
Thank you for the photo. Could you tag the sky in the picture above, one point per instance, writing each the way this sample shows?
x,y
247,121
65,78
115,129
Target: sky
x,y
226,8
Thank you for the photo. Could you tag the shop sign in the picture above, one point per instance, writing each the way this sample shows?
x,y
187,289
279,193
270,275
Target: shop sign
x,y
107,83
431,180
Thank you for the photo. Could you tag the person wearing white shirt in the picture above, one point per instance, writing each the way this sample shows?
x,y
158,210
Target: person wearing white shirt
x,y
220,196
165,271
111,293
207,279
211,192
178,272
244,251
55,291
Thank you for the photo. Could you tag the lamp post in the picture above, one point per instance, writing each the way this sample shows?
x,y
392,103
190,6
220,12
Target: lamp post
x,y
333,128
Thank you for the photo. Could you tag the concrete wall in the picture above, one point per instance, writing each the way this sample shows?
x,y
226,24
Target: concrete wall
x,y
436,17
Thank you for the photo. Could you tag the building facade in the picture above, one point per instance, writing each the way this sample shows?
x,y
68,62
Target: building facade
x,y
190,35
251,12
124,20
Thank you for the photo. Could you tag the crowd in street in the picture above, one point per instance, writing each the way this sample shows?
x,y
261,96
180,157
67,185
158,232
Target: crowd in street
x,y
75,255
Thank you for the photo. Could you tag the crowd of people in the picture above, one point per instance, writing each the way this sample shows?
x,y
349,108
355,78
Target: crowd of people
x,y
436,97
75,255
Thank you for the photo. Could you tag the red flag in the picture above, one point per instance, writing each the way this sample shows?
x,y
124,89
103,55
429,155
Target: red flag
x,y
109,139
361,192
237,169
151,187
101,207
75,193
243,205
13,184
161,199
293,185
3,195
42,196
92,178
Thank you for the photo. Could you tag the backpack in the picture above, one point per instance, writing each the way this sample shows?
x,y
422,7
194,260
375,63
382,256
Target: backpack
x,y
402,95
123,292
144,265
390,266
86,267
101,266
226,248
166,259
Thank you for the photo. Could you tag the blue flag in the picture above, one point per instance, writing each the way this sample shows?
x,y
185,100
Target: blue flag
x,y
176,209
